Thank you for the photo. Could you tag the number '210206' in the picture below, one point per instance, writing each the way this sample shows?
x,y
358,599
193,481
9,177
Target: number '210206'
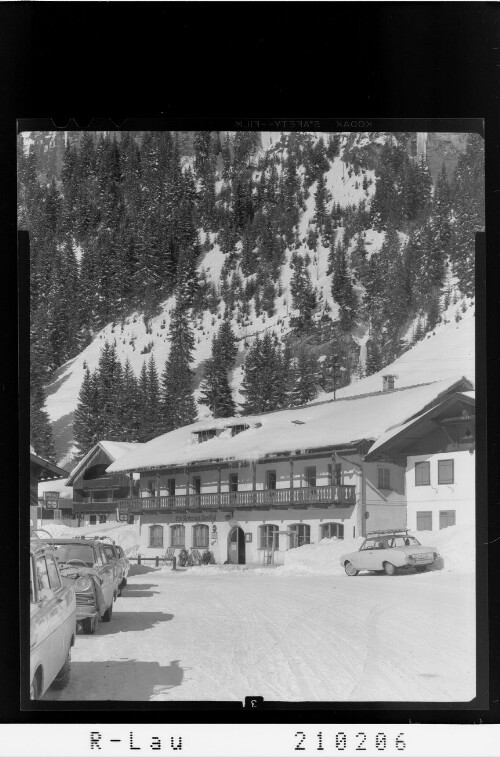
x,y
360,742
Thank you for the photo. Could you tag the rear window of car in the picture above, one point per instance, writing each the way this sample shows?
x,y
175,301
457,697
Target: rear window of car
x,y
84,552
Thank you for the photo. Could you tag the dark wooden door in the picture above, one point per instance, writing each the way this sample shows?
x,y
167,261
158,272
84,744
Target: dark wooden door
x,y
236,546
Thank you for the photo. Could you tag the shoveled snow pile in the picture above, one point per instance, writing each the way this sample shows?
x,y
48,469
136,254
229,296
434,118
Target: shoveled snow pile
x,y
455,544
127,536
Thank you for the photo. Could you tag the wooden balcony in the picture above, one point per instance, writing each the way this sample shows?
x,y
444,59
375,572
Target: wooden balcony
x,y
344,496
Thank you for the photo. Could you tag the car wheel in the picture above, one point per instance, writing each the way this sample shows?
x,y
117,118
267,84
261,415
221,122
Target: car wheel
x,y
89,625
35,687
420,568
390,569
108,614
62,678
350,569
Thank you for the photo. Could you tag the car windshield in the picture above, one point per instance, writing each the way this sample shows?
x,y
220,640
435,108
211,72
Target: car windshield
x,y
83,552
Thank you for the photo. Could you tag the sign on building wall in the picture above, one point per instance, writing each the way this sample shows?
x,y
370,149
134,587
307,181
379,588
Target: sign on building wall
x,y
214,536
248,537
195,518
122,513
51,500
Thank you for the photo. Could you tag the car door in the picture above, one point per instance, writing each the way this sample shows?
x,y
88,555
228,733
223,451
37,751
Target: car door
x,y
65,598
364,558
106,573
49,609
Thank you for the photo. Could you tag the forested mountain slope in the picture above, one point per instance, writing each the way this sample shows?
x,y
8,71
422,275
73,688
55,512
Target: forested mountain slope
x,y
182,275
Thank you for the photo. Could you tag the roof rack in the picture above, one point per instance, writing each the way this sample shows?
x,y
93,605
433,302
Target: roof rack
x,y
388,531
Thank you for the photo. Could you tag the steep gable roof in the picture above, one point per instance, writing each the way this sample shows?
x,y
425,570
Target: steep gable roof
x,y
114,450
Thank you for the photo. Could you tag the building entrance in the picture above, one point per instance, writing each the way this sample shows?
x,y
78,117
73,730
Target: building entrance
x,y
236,546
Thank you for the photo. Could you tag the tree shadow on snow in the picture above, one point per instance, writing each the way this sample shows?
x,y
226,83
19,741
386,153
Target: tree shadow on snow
x,y
138,593
130,622
117,680
137,587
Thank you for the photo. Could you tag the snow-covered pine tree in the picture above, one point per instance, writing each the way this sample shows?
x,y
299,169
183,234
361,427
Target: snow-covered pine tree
x,y
86,419
41,437
178,404
305,374
342,288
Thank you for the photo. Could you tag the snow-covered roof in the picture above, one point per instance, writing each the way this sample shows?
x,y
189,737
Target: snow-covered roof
x,y
115,450
46,469
394,431
315,426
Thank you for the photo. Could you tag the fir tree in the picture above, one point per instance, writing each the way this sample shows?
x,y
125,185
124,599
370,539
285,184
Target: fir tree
x,y
342,288
178,405
40,429
305,374
85,424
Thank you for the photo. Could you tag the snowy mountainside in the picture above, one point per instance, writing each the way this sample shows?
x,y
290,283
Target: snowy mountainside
x,y
347,176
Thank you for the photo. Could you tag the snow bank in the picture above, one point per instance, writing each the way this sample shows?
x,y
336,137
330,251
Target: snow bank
x,y
455,544
127,536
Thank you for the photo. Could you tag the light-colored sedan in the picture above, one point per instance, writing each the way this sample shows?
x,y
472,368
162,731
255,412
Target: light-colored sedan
x,y
386,551
52,622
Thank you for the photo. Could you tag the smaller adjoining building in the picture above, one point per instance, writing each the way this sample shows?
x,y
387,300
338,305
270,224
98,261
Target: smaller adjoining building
x,y
437,449
41,470
98,496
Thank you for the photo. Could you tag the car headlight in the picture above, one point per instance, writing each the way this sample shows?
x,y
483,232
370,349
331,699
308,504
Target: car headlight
x,y
83,583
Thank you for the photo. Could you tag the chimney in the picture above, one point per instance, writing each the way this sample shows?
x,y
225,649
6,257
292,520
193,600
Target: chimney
x,y
388,382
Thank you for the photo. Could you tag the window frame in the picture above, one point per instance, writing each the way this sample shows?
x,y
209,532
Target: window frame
x,y
204,529
427,513
308,477
233,480
270,472
156,530
419,466
384,478
170,487
339,527
300,540
446,460
446,514
177,527
266,535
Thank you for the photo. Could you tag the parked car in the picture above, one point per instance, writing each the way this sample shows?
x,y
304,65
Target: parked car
x,y
85,563
386,551
116,555
52,621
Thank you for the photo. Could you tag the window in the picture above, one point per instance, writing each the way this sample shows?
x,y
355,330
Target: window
x,y
171,487
177,538
424,520
331,530
42,576
237,429
102,558
200,535
447,518
301,534
156,536
369,544
204,436
445,472
233,482
197,484
92,520
422,474
384,478
102,518
54,580
310,475
266,536
271,479
335,477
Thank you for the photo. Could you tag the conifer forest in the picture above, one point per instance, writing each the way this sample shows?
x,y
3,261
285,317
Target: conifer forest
x,y
309,286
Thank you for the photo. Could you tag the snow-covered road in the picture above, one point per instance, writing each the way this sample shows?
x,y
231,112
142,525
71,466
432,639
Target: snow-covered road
x,y
219,634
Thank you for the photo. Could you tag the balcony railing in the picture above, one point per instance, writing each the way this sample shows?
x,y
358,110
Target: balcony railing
x,y
311,495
